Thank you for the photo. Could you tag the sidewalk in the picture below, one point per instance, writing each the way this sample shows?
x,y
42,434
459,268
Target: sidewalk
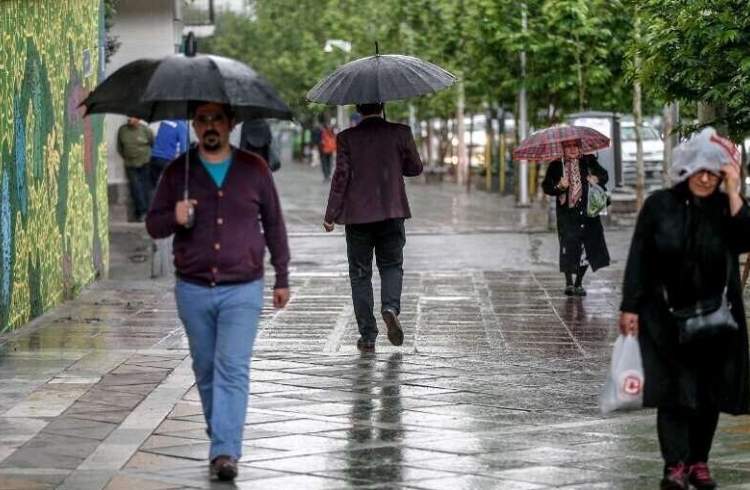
x,y
495,387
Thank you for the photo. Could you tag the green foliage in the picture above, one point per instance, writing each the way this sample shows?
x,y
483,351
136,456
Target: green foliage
x,y
112,42
697,51
576,49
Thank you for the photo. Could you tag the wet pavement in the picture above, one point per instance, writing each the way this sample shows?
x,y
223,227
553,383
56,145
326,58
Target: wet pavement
x,y
495,387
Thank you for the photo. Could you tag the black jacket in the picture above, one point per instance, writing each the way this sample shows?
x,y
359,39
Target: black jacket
x,y
574,228
681,244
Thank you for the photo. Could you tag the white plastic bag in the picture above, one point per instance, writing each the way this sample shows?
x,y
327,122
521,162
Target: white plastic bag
x,y
624,387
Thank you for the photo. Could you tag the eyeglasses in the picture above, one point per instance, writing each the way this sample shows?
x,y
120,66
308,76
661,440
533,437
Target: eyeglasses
x,y
708,173
217,117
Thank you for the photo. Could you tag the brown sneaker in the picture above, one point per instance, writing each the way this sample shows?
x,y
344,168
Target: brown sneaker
x,y
700,477
224,467
395,334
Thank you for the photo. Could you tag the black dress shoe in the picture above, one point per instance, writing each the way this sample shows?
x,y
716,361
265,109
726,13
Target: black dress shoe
x,y
395,334
579,291
224,467
570,290
365,345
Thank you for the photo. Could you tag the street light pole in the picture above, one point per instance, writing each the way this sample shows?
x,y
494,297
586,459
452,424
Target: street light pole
x,y
523,169
346,47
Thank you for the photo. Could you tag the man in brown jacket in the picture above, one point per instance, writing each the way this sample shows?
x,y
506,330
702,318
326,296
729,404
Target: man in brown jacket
x,y
368,196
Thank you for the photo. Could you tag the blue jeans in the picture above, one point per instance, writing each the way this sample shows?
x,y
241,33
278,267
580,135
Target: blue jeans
x,y
221,323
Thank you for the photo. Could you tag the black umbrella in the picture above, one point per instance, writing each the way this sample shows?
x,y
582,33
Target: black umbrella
x,y
380,78
156,89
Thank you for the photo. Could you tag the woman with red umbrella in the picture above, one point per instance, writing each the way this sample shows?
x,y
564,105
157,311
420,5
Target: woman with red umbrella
x,y
581,236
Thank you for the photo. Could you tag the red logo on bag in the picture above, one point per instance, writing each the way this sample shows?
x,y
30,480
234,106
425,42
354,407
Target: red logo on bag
x,y
631,385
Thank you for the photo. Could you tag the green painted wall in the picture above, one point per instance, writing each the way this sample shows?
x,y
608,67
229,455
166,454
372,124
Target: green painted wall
x,y
53,174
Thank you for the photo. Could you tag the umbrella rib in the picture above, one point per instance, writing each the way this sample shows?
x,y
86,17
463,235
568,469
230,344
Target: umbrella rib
x,y
420,75
223,85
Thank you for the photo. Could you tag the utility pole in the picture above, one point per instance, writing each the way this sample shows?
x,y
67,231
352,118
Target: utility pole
x,y
671,120
523,165
346,47
640,180
461,134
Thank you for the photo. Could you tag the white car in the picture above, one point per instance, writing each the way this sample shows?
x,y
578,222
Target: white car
x,y
653,154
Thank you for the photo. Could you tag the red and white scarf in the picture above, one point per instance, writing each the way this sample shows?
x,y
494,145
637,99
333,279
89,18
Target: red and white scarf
x,y
575,188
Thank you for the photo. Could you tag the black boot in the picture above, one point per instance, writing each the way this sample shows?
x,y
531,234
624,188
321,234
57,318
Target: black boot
x,y
569,289
578,289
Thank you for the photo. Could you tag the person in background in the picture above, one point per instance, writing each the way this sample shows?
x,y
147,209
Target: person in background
x,y
171,141
256,137
368,196
327,148
581,237
314,146
134,142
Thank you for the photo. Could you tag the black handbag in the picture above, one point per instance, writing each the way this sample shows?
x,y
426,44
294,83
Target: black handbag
x,y
706,319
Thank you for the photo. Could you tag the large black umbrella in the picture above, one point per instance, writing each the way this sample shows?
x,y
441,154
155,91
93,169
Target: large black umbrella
x,y
167,88
156,89
380,78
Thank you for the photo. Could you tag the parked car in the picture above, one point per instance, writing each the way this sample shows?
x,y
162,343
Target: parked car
x,y
653,154
475,137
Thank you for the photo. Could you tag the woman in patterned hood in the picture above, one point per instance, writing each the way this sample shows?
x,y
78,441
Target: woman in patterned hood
x,y
581,237
684,257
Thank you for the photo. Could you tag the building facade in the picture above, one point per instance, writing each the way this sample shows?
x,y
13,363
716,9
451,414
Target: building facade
x,y
145,29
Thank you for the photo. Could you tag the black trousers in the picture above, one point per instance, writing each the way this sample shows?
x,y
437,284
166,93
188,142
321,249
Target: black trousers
x,y
685,435
387,239
325,164
139,179
157,166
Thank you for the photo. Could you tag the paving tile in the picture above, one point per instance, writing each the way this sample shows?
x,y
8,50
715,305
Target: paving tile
x,y
473,482
126,482
49,401
35,482
307,482
88,429
554,475
146,461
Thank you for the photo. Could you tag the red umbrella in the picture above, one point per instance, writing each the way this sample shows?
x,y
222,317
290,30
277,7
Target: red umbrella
x,y
546,145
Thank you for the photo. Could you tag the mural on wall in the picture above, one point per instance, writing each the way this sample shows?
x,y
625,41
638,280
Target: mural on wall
x,y
53,175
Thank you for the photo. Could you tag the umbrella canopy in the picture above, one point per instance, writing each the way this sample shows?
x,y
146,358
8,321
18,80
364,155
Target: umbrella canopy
x,y
380,78
156,89
546,145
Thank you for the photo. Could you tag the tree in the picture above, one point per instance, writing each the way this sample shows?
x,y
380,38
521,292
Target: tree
x,y
112,43
695,51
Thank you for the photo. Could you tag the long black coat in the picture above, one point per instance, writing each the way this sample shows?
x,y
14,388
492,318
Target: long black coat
x,y
681,243
574,229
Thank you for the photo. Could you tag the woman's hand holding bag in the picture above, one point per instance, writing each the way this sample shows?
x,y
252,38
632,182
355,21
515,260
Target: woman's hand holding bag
x,y
597,200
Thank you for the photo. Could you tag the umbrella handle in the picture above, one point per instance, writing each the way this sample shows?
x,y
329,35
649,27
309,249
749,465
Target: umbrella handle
x,y
185,194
